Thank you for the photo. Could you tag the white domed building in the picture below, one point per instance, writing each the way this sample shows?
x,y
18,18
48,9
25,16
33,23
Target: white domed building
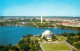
x,y
47,34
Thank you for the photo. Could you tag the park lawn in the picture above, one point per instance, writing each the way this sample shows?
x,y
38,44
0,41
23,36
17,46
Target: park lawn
x,y
52,47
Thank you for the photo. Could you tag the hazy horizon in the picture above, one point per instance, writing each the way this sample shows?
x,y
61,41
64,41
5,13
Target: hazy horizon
x,y
40,16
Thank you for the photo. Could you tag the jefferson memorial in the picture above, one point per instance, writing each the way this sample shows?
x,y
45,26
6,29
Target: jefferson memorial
x,y
47,34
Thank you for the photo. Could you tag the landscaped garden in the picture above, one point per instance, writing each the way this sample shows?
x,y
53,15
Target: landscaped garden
x,y
52,47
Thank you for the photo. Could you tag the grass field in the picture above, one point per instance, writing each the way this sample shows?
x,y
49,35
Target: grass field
x,y
51,47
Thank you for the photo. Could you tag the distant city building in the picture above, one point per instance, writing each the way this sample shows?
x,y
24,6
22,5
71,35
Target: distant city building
x,y
72,24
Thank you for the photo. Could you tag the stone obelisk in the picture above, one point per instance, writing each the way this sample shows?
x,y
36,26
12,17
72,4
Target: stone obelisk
x,y
41,17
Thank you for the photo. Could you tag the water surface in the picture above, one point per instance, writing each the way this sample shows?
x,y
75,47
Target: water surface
x,y
13,34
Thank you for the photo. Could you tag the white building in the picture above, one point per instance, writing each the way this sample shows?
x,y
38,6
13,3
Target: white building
x,y
47,34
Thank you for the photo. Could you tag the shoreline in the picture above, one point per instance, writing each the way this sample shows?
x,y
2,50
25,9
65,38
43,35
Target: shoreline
x,y
42,27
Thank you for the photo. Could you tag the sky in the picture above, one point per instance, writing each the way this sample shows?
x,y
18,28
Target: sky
x,y
34,7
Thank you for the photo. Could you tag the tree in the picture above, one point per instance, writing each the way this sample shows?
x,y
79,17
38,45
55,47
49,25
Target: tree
x,y
32,46
24,36
70,40
28,40
6,48
29,35
36,41
16,49
26,47
64,34
21,44
37,47
77,45
78,38
78,33
45,38
1,23
10,46
75,39
72,34
54,38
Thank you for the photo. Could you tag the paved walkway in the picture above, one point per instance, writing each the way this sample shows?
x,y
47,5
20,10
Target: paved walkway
x,y
34,23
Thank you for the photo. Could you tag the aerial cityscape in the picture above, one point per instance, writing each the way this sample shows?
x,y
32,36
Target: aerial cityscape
x,y
39,25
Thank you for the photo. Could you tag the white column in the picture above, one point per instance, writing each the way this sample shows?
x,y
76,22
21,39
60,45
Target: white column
x,y
41,16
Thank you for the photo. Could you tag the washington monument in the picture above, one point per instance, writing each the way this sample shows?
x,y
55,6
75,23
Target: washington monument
x,y
41,17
